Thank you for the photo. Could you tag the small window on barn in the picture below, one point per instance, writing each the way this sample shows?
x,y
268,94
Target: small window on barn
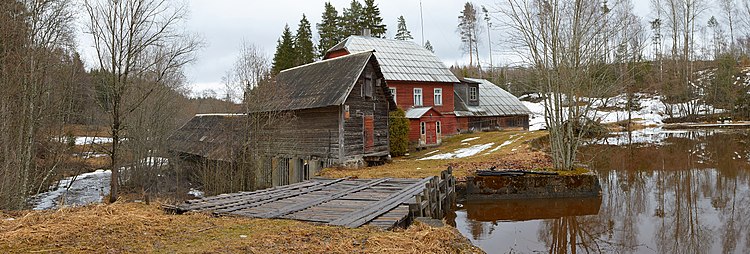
x,y
422,130
393,93
438,96
438,127
472,93
417,96
367,86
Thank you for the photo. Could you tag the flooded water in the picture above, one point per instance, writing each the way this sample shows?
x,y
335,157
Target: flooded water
x,y
663,192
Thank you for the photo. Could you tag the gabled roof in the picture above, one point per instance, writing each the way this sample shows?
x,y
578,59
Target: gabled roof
x,y
211,136
315,85
493,101
418,112
400,60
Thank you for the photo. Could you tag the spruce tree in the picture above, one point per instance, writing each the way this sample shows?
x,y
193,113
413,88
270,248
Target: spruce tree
x,y
328,29
284,57
372,20
403,33
428,46
303,45
352,20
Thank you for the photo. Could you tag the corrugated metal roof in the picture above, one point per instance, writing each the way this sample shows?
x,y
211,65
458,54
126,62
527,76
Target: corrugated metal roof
x,y
493,101
319,84
416,113
400,60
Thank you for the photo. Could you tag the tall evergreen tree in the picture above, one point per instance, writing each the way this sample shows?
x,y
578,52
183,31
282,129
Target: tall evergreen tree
x,y
284,57
352,20
428,46
468,28
328,29
403,33
372,20
303,45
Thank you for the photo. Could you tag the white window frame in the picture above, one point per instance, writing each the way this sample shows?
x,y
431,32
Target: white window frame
x,y
472,93
418,97
393,93
422,128
438,127
438,97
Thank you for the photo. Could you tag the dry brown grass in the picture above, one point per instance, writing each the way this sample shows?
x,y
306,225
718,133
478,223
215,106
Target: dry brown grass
x,y
79,130
516,155
134,227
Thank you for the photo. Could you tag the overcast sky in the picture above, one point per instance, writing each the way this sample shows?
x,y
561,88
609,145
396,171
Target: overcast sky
x,y
225,23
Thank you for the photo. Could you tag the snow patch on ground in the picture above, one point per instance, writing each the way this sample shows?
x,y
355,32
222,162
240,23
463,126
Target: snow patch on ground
x,y
469,139
432,152
84,140
507,142
651,110
85,189
196,193
460,153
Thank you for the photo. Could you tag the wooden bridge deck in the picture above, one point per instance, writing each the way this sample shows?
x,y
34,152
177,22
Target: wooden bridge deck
x,y
384,202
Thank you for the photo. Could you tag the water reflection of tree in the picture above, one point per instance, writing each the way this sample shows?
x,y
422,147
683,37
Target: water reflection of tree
x,y
672,180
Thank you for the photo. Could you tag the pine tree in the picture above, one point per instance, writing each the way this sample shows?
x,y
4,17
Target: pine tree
x,y
428,46
372,20
468,28
284,57
303,45
328,29
352,20
403,33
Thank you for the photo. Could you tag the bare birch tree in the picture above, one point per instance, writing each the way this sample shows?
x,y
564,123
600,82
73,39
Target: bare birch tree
x,y
250,69
135,41
559,40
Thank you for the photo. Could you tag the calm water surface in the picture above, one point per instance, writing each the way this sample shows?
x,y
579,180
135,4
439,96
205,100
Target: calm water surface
x,y
663,192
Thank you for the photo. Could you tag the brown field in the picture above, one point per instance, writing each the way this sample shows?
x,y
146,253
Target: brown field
x,y
139,228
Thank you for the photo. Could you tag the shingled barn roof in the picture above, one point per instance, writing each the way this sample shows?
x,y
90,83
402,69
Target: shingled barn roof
x,y
315,85
211,136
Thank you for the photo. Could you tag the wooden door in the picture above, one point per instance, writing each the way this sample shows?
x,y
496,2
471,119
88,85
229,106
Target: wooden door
x,y
369,132
431,134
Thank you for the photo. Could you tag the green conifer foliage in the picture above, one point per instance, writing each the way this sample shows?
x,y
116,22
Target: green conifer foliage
x,y
352,20
428,46
303,45
328,29
284,57
399,132
372,20
403,33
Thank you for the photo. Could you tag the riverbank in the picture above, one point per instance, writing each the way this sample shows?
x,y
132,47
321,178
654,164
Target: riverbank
x,y
138,228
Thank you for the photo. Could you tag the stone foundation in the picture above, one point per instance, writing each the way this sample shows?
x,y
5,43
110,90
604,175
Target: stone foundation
x,y
531,186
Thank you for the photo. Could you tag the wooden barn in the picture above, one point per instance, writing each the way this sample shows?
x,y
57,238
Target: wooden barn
x,y
417,79
335,112
482,105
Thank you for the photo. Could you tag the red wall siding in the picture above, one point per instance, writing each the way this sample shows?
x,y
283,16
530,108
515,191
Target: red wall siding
x,y
448,126
336,53
405,94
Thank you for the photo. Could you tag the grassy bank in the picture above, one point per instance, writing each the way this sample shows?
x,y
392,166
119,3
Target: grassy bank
x,y
135,227
509,150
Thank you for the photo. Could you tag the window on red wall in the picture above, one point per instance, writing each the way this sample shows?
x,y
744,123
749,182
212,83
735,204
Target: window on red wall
x,y
422,130
438,96
417,96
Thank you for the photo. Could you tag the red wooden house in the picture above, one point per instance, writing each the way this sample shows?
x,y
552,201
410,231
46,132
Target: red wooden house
x,y
419,82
